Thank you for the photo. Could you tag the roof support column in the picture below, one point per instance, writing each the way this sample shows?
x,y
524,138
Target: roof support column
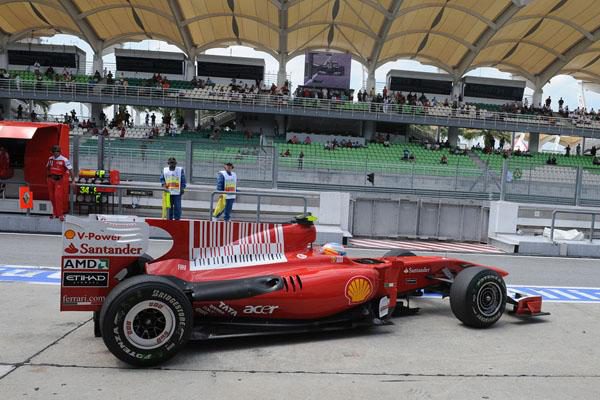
x,y
538,92
5,104
282,72
190,66
534,143
190,69
457,90
97,110
97,62
453,136
4,58
283,43
537,97
371,79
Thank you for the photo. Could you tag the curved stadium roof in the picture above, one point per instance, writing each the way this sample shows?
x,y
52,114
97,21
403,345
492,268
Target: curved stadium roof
x,y
536,39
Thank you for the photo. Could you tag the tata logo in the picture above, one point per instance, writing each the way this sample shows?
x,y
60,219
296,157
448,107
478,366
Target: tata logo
x,y
86,263
265,310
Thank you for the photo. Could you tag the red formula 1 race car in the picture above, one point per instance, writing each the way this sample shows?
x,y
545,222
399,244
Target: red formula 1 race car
x,y
235,278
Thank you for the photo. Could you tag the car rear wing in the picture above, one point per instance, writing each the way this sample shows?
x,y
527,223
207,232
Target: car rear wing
x,y
95,250
98,250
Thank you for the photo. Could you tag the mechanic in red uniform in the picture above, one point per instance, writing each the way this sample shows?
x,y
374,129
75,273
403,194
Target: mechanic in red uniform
x,y
6,172
58,166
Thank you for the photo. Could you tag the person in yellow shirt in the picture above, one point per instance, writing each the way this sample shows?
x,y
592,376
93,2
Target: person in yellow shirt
x,y
173,181
227,182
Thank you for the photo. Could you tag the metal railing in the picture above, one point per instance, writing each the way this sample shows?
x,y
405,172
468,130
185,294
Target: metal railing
x,y
592,225
121,191
259,196
187,98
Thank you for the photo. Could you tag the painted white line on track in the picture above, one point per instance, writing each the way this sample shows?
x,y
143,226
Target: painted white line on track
x,y
551,287
5,369
30,234
580,293
420,245
565,294
27,266
454,254
548,295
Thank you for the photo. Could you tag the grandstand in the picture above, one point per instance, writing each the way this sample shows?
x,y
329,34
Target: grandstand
x,y
534,41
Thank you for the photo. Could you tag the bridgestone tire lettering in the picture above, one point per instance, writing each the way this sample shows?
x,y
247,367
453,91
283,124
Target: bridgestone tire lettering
x,y
129,303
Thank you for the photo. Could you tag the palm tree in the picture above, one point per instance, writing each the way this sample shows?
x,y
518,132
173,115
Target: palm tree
x,y
488,134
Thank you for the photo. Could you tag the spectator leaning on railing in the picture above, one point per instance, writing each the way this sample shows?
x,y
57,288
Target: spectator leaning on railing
x,y
391,102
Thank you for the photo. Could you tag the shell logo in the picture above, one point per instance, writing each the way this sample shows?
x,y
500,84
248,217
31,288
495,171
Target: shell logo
x,y
70,234
358,289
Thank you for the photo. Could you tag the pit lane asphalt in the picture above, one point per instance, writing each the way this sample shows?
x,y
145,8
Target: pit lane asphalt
x,y
45,354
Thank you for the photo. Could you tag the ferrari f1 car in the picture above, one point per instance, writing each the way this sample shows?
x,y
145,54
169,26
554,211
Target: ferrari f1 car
x,y
234,278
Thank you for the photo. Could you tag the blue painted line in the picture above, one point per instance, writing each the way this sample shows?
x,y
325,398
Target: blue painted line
x,y
51,276
552,294
29,274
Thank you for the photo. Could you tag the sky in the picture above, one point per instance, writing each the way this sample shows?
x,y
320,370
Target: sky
x,y
560,86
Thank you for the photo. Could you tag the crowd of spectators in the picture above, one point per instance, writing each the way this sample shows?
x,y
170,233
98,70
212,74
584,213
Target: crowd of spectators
x,y
241,87
329,144
385,101
324,93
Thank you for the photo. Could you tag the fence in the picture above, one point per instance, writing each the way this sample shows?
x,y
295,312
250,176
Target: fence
x,y
524,180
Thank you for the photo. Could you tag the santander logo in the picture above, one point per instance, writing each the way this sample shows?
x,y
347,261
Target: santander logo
x,y
71,249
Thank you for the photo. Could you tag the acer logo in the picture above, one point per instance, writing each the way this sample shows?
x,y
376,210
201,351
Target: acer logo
x,y
260,309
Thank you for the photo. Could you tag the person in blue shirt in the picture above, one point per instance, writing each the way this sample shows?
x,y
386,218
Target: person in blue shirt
x,y
173,181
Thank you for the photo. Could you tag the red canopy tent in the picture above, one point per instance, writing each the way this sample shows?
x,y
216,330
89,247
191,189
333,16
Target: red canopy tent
x,y
39,137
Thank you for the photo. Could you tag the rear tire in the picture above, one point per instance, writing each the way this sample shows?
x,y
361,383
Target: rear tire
x,y
145,320
399,253
478,297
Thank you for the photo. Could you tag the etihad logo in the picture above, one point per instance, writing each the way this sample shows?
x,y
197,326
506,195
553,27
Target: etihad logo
x,y
358,289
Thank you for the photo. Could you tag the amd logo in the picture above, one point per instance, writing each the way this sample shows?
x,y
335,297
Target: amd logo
x,y
85,263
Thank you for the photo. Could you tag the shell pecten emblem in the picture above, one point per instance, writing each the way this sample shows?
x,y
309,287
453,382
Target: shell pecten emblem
x,y
70,234
358,289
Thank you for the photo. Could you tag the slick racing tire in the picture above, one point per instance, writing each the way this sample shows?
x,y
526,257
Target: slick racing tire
x,y
145,320
478,297
399,253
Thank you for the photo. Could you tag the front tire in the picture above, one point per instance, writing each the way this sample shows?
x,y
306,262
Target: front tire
x,y
145,320
478,297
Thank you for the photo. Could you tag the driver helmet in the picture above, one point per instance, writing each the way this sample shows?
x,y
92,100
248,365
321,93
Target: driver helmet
x,y
333,249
